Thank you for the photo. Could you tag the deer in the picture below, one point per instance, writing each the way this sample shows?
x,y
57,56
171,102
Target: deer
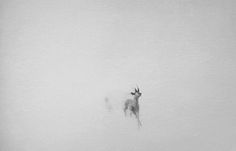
x,y
133,105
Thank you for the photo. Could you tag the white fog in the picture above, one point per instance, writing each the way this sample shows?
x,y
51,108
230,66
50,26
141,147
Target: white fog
x,y
62,59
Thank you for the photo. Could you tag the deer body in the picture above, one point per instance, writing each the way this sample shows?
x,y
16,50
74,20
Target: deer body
x,y
133,105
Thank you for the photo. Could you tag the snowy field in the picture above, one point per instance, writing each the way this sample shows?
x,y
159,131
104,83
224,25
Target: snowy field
x,y
61,59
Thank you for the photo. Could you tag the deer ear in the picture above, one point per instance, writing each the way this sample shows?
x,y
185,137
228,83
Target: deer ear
x,y
132,93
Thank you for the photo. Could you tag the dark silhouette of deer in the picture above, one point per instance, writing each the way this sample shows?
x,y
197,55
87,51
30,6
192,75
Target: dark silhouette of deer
x,y
133,105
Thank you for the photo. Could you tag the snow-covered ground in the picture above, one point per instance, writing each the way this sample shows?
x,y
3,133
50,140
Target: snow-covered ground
x,y
62,59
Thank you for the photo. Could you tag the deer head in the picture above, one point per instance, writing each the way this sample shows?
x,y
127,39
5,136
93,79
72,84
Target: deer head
x,y
136,92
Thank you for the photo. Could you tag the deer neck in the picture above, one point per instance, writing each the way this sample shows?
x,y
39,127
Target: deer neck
x,y
136,98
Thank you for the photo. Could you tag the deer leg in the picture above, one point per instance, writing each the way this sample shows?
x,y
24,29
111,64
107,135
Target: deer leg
x,y
137,116
132,110
125,109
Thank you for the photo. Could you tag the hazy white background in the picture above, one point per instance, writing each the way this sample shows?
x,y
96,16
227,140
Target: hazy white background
x,y
59,59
